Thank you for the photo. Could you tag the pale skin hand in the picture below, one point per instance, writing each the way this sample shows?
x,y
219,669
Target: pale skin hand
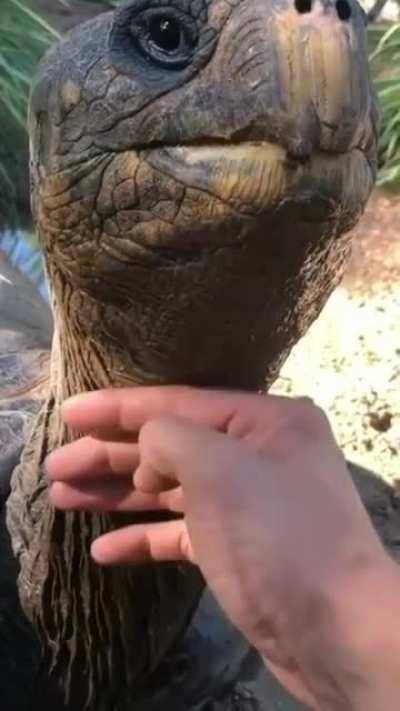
x,y
270,516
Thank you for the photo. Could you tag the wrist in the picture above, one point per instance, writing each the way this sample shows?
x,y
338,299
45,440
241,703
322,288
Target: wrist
x,y
350,651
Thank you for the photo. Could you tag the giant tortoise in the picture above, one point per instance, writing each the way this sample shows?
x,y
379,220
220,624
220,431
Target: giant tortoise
x,y
196,166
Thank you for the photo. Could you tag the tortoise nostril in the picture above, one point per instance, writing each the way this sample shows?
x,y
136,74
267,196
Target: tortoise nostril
x,y
343,10
303,6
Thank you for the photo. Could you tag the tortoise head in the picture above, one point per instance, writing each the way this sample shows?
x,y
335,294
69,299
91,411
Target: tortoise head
x,y
196,165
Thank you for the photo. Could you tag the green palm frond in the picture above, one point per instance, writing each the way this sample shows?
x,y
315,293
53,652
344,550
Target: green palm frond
x,y
385,62
24,36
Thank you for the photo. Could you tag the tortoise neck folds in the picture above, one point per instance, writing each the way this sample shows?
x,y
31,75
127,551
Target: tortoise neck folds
x,y
103,631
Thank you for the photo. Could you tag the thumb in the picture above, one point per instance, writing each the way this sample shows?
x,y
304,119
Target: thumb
x,y
175,451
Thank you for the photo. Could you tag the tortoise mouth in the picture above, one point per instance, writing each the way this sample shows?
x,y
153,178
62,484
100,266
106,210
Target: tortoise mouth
x,y
253,177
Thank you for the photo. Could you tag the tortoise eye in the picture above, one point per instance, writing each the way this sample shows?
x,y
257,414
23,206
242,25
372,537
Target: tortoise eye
x,y
166,33
167,38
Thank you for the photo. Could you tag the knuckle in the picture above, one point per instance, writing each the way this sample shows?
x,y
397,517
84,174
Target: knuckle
x,y
148,434
184,545
305,419
315,418
178,399
242,423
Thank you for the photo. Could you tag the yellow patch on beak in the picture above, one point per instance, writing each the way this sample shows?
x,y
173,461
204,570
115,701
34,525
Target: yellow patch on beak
x,y
249,175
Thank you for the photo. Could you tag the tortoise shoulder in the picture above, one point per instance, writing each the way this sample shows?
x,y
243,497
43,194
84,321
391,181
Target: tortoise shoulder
x,y
25,337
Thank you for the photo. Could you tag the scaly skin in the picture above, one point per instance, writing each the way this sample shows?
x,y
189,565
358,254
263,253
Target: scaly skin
x,y
193,210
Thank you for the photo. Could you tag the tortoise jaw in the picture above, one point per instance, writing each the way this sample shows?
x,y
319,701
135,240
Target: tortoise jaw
x,y
255,177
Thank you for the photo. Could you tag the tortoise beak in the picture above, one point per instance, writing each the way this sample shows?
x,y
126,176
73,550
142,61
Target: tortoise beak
x,y
299,79
322,71
255,178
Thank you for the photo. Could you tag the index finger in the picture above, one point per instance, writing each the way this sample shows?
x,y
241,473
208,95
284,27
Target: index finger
x,y
118,412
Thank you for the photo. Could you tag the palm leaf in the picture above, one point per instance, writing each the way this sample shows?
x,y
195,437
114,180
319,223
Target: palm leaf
x,y
385,63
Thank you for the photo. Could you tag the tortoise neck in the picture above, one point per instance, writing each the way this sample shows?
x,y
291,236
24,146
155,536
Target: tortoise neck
x,y
79,363
103,631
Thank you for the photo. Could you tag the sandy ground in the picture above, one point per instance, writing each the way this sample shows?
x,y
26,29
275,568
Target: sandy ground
x,y
349,362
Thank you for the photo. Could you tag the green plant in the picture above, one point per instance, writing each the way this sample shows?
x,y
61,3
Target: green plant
x,y
385,62
24,36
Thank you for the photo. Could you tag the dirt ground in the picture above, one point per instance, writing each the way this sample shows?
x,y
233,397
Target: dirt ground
x,y
349,362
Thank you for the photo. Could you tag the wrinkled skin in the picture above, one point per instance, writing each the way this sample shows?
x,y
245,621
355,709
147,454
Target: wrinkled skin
x,y
193,207
211,196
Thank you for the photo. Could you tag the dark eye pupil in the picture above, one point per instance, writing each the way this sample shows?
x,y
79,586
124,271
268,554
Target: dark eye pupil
x,y
165,33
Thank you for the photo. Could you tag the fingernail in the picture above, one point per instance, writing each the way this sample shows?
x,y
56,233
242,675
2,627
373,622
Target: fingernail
x,y
74,400
47,465
96,553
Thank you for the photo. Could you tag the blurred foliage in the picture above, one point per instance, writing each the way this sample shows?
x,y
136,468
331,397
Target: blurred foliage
x,y
24,36
385,63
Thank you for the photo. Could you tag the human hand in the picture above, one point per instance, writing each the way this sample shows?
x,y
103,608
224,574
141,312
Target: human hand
x,y
270,513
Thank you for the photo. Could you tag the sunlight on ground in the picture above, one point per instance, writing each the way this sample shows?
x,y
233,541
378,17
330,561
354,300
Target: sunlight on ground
x,y
349,362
